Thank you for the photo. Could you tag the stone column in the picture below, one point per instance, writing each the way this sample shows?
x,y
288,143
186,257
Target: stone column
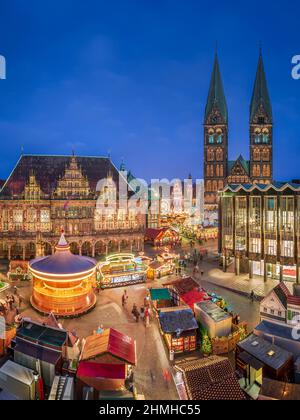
x,y
281,273
265,272
250,269
119,246
93,250
106,249
24,252
298,274
9,252
224,263
80,250
237,266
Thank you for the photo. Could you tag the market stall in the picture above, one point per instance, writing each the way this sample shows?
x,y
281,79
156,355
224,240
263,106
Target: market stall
x,y
179,328
160,298
121,269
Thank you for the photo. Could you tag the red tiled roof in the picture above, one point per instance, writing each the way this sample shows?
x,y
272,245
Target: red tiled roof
x,y
151,233
110,341
183,285
211,379
101,370
194,296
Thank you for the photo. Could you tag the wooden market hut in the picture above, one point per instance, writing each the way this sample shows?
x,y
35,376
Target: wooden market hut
x,y
257,358
161,298
179,328
162,237
105,362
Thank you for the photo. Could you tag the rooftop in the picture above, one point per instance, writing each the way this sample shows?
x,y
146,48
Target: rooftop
x,y
110,341
210,378
42,334
266,352
213,310
176,321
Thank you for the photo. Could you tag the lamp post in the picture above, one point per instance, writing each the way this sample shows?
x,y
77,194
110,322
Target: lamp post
x,y
36,379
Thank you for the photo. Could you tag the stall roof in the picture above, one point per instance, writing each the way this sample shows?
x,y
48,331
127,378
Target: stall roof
x,y
18,372
259,348
42,334
38,353
276,330
216,313
210,378
110,341
194,296
101,370
183,285
173,321
277,390
160,294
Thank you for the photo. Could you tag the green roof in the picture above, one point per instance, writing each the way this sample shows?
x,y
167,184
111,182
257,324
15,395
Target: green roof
x,y
260,96
216,97
244,163
160,294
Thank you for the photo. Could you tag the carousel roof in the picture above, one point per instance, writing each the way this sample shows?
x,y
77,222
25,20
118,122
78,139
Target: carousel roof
x,y
63,261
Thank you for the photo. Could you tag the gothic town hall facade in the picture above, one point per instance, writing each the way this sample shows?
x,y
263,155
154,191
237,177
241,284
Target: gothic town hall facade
x,y
218,169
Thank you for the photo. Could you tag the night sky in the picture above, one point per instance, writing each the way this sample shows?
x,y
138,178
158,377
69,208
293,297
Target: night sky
x,y
131,78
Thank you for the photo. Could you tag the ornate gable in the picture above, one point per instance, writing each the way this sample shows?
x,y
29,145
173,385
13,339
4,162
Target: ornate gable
x,y
238,172
32,190
73,183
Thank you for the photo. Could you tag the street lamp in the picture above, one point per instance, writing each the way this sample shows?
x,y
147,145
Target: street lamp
x,y
36,379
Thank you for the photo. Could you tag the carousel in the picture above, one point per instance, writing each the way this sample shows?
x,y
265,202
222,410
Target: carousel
x,y
63,282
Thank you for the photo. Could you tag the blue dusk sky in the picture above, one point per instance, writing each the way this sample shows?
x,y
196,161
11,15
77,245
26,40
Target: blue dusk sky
x,y
131,77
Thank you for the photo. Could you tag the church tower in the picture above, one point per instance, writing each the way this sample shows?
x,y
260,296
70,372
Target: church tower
x,y
215,137
261,129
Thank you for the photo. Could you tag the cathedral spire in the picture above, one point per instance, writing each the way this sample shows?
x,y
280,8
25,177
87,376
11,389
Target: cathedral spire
x,y
216,97
260,102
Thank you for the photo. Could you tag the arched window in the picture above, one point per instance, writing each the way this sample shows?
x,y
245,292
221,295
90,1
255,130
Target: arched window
x,y
221,170
220,186
211,170
214,186
217,170
211,139
266,155
256,154
208,186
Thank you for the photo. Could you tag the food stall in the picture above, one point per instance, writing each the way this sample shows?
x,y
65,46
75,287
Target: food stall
x,y
179,328
121,269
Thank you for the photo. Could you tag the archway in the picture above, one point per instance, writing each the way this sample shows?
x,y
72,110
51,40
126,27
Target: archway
x,y
135,245
100,249
125,246
4,250
16,252
30,251
74,248
86,249
113,247
47,249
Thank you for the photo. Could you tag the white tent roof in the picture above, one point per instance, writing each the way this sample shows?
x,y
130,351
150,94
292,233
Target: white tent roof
x,y
18,372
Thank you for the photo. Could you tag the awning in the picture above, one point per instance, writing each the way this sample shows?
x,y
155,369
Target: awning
x,y
101,370
160,294
250,360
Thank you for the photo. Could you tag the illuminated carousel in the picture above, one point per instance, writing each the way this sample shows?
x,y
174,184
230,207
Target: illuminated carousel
x,y
63,282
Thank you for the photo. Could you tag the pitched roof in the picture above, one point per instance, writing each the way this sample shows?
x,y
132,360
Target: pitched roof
x,y
110,341
210,379
260,96
259,348
42,334
160,294
282,292
173,320
277,390
240,160
48,168
216,97
276,330
183,285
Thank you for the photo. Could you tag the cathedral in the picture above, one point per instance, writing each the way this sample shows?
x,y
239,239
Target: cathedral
x,y
218,169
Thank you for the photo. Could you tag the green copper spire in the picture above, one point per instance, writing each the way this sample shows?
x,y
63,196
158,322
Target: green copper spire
x,y
260,97
216,97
